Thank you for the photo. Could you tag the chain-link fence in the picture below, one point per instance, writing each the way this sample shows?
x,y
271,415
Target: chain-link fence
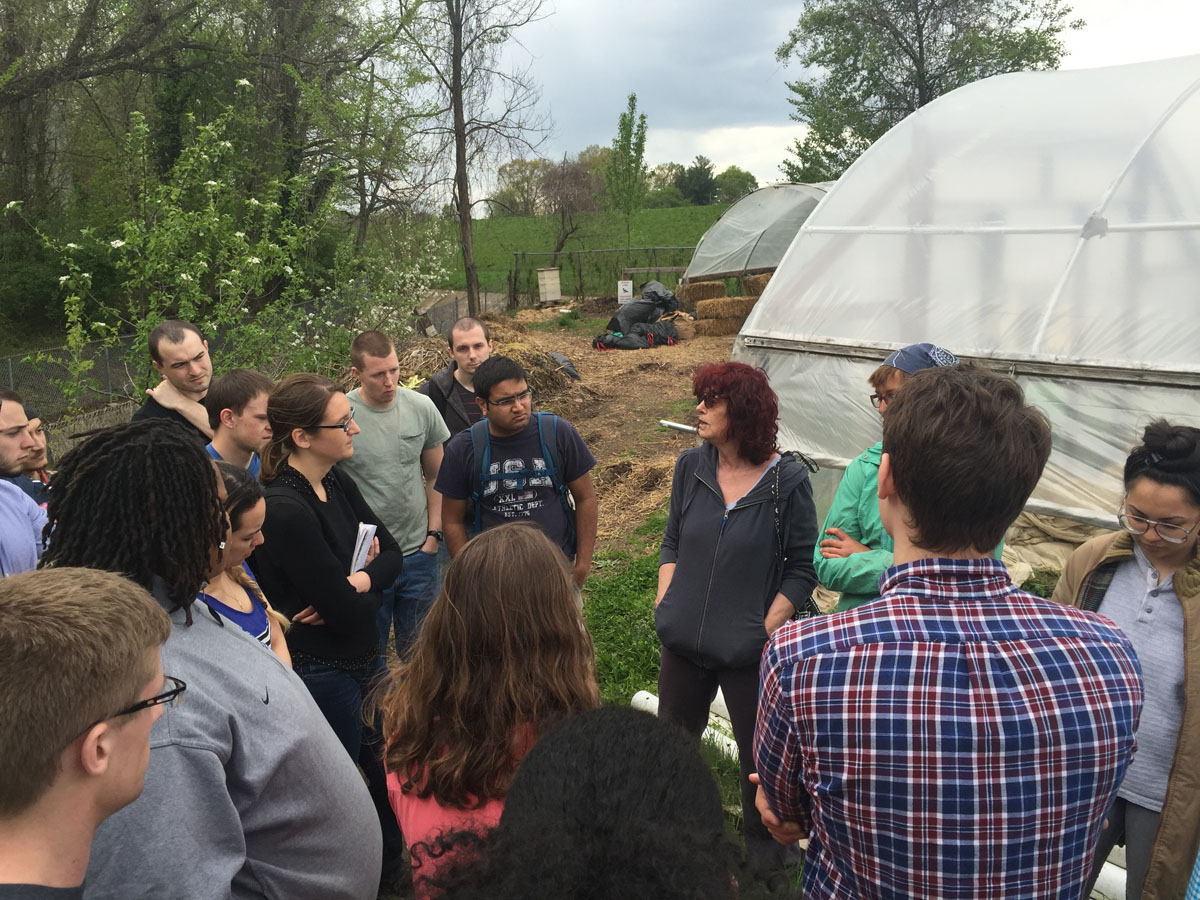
x,y
595,273
39,377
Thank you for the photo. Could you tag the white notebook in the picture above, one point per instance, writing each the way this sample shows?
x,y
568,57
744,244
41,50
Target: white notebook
x,y
366,534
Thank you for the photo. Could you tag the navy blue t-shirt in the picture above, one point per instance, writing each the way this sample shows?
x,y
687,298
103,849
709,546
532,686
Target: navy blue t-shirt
x,y
518,498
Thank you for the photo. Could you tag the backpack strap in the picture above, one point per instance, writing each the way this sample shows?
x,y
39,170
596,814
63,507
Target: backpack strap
x,y
483,461
547,435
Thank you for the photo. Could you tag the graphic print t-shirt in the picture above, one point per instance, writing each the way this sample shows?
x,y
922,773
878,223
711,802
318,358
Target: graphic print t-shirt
x,y
518,497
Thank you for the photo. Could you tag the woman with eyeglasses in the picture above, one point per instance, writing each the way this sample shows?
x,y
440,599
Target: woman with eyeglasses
x,y
1146,578
735,563
314,511
855,548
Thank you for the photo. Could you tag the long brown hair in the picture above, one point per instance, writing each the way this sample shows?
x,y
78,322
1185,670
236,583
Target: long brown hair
x,y
503,654
298,401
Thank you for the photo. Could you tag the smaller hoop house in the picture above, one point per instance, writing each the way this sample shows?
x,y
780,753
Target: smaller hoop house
x,y
754,233
1042,223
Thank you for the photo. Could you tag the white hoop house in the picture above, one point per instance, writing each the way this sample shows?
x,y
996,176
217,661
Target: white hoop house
x,y
754,233
1045,223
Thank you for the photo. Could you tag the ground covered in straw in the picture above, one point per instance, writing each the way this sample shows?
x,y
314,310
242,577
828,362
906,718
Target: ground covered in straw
x,y
616,406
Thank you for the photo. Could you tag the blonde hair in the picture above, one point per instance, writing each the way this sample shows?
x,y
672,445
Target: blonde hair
x,y
73,648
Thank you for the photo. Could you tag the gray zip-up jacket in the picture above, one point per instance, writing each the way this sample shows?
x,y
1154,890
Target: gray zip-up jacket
x,y
728,565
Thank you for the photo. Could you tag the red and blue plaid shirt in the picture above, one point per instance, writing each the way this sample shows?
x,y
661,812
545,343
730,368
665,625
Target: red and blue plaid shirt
x,y
957,738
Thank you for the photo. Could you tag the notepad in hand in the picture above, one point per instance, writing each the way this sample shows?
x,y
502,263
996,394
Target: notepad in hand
x,y
366,534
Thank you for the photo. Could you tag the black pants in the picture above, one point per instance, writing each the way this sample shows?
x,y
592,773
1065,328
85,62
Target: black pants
x,y
685,691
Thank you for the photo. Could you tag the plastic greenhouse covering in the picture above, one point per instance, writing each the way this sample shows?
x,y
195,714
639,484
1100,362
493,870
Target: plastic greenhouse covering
x,y
1042,223
754,233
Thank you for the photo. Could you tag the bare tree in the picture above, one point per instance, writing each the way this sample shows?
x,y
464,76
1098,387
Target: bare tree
x,y
486,111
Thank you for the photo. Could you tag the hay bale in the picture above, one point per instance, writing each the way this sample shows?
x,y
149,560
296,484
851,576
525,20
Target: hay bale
x,y
725,307
703,290
719,327
685,325
755,284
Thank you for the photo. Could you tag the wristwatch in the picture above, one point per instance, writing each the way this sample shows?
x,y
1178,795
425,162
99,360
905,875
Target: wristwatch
x,y
437,534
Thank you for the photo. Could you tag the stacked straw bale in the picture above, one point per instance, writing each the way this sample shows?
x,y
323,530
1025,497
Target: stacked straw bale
x,y
691,294
754,285
724,315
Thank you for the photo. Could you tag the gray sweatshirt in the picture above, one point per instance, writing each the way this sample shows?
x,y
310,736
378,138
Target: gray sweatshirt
x,y
248,792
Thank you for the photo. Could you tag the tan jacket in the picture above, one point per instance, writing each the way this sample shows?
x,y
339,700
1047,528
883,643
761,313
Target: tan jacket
x,y
1178,840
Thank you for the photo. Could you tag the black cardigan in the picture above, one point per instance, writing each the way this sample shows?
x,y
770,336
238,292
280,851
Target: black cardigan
x,y
305,558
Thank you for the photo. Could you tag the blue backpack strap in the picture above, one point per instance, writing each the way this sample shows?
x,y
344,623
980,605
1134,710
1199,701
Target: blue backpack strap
x,y
547,430
483,460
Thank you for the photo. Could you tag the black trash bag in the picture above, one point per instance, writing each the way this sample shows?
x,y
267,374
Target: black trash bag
x,y
658,333
622,342
566,365
629,314
658,293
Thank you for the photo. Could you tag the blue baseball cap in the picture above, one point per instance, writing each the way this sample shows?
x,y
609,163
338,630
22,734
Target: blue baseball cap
x,y
915,357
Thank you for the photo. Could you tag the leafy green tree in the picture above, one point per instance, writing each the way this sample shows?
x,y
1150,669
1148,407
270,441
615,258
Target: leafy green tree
x,y
665,175
877,61
520,191
697,182
626,176
733,184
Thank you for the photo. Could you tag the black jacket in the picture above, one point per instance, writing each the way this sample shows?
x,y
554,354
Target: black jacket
x,y
440,389
728,565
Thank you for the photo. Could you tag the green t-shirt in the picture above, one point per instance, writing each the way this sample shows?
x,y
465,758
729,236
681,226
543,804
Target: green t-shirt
x,y
386,464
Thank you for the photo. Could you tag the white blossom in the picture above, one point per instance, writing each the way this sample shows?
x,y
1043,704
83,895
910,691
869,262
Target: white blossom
x,y
62,279
116,245
239,234
254,202
288,269
210,183
242,82
184,276
253,260
11,204
72,246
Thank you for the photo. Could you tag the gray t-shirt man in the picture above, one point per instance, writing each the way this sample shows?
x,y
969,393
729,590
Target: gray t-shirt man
x,y
386,464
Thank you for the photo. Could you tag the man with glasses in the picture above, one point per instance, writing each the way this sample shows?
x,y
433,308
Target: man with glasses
x,y
856,548
81,683
397,454
519,464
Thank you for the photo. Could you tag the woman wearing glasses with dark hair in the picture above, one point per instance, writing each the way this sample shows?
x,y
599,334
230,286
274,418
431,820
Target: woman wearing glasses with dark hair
x,y
304,565
1144,577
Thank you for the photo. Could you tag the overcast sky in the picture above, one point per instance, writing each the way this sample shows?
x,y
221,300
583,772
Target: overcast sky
x,y
706,76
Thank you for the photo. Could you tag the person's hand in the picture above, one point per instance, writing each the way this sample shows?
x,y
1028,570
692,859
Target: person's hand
x,y
784,832
308,616
775,620
840,545
360,581
372,551
430,546
580,573
166,395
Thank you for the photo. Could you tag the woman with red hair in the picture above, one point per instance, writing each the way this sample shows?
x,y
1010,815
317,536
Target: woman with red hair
x,y
736,562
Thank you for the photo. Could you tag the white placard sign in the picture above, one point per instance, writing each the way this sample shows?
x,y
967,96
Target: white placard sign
x,y
624,291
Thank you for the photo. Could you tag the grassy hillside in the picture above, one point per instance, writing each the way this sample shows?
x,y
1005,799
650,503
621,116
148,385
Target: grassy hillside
x,y
497,239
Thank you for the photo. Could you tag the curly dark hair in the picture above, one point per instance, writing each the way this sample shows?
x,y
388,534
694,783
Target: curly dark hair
x,y
612,803
750,404
139,499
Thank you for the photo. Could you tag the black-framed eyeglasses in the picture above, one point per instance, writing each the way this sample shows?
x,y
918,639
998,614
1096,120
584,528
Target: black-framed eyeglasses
x,y
168,698
877,400
345,426
1169,532
509,401
710,400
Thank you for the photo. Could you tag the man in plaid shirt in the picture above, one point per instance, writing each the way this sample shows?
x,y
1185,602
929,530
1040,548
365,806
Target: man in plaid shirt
x,y
957,737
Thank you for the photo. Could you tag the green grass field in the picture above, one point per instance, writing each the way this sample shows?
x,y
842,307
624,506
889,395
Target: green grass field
x,y
496,240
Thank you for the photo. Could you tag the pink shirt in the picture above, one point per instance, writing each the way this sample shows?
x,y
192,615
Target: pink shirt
x,y
423,819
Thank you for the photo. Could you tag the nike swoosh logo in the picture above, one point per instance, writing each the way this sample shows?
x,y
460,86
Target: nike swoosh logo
x,y
267,698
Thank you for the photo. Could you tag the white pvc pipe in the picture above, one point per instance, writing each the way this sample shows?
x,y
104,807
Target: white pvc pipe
x,y
647,702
